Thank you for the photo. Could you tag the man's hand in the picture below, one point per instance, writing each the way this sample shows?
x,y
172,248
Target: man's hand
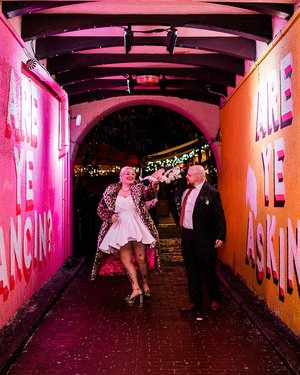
x,y
218,243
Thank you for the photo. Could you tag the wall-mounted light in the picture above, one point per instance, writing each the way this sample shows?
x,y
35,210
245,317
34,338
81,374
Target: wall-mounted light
x,y
130,84
128,39
171,39
76,120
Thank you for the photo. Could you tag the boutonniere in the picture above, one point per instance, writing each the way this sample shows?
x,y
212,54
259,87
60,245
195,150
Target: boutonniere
x,y
205,200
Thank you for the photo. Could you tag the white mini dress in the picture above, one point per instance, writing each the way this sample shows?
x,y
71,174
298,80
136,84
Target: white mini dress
x,y
129,227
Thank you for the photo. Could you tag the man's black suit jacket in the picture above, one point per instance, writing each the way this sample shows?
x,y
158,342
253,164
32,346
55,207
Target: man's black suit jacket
x,y
208,217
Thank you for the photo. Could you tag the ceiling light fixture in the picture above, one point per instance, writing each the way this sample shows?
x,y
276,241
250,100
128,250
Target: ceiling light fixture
x,y
147,80
128,39
171,39
130,84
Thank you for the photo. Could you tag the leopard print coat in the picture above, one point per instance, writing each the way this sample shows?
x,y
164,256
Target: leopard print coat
x,y
106,208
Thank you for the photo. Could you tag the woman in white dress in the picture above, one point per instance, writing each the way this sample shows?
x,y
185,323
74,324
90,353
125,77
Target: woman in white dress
x,y
128,228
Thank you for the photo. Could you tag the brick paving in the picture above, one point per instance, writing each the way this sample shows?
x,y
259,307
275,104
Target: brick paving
x,y
90,330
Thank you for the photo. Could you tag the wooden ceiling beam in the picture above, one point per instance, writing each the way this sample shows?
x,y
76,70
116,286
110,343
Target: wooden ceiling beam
x,y
284,11
255,27
178,84
76,61
232,46
19,8
212,75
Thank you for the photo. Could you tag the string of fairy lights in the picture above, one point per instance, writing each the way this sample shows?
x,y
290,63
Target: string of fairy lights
x,y
98,170
149,165
170,161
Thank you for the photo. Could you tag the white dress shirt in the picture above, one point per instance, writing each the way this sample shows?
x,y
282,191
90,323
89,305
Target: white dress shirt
x,y
190,204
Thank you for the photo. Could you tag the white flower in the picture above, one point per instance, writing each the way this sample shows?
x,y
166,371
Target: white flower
x,y
171,175
168,176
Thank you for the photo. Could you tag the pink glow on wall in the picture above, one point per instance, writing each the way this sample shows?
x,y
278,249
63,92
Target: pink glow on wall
x,y
251,190
32,210
271,260
260,259
64,136
266,162
286,70
269,94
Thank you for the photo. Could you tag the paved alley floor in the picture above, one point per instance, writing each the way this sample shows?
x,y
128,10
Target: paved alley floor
x,y
90,330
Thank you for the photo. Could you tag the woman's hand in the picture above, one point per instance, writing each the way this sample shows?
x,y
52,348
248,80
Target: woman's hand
x,y
114,218
157,175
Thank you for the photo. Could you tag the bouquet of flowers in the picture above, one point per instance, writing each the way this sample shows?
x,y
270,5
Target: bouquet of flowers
x,y
163,175
171,175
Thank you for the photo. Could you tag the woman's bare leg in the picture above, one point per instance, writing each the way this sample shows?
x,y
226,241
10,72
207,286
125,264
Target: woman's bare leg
x,y
140,255
126,252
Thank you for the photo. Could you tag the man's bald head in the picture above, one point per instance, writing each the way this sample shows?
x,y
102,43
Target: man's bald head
x,y
196,175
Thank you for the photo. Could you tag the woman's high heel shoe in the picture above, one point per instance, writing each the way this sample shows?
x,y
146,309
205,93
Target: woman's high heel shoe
x,y
147,293
131,299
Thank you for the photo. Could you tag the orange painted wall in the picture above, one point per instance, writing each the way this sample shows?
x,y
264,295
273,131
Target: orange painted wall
x,y
242,186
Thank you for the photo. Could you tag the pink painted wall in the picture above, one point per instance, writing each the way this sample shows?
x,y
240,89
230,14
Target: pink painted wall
x,y
32,211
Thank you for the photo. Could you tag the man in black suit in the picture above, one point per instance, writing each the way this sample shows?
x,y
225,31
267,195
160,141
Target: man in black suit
x,y
202,219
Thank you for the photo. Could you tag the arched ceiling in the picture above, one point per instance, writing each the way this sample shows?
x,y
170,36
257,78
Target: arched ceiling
x,y
82,44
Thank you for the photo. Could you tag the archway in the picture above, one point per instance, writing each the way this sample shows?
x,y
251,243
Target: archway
x,y
86,129
204,116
